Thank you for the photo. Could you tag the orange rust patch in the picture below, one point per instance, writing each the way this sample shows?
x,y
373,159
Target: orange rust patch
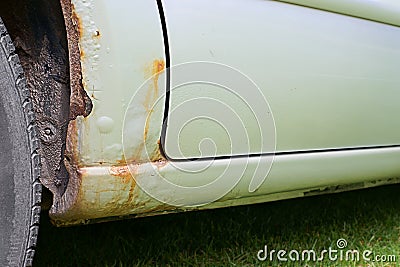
x,y
76,20
146,127
154,71
80,103
156,155
122,172
122,161
71,151
158,67
153,68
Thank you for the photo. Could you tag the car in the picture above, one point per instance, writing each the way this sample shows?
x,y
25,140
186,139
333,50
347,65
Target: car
x,y
120,109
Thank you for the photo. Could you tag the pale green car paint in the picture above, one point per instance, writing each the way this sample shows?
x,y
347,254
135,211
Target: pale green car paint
x,y
386,11
331,81
318,71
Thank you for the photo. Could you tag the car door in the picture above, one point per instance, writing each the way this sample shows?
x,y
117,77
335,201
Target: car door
x,y
330,80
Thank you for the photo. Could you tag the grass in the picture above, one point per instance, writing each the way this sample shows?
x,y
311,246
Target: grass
x,y
368,219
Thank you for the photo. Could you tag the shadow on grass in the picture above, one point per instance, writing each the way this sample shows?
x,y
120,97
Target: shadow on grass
x,y
367,219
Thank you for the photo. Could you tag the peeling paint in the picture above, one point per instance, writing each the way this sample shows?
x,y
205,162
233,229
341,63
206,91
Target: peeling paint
x,y
110,193
110,188
99,186
64,202
107,192
121,172
80,103
92,191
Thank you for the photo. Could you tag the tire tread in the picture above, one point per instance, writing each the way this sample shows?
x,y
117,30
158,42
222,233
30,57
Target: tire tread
x,y
24,96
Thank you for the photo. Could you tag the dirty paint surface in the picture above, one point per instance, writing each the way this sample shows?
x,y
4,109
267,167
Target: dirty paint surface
x,y
101,88
125,81
114,192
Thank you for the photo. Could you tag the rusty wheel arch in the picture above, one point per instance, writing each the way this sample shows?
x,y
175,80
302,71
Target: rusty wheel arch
x,y
45,34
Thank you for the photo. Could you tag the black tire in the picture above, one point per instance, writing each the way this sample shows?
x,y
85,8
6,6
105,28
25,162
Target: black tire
x,y
20,189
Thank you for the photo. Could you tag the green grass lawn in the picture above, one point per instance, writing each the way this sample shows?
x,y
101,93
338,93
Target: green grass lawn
x,y
367,219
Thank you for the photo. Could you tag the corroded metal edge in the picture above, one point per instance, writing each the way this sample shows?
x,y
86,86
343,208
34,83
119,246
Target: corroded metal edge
x,y
72,201
80,105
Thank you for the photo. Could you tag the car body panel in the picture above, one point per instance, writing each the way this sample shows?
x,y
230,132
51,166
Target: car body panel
x,y
119,47
112,192
331,80
385,11
119,165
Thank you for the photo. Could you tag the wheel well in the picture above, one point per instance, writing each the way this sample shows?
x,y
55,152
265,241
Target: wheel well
x,y
38,30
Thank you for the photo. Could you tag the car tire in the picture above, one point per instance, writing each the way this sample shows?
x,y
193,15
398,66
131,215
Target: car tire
x,y
20,189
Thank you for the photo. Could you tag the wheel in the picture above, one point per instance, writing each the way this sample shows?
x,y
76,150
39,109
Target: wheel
x,y
20,189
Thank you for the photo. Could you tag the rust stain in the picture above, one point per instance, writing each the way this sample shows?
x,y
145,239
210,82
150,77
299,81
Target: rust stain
x,y
69,200
80,103
146,127
158,68
72,205
76,20
71,151
160,163
153,71
156,155
81,53
155,67
122,172
122,161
